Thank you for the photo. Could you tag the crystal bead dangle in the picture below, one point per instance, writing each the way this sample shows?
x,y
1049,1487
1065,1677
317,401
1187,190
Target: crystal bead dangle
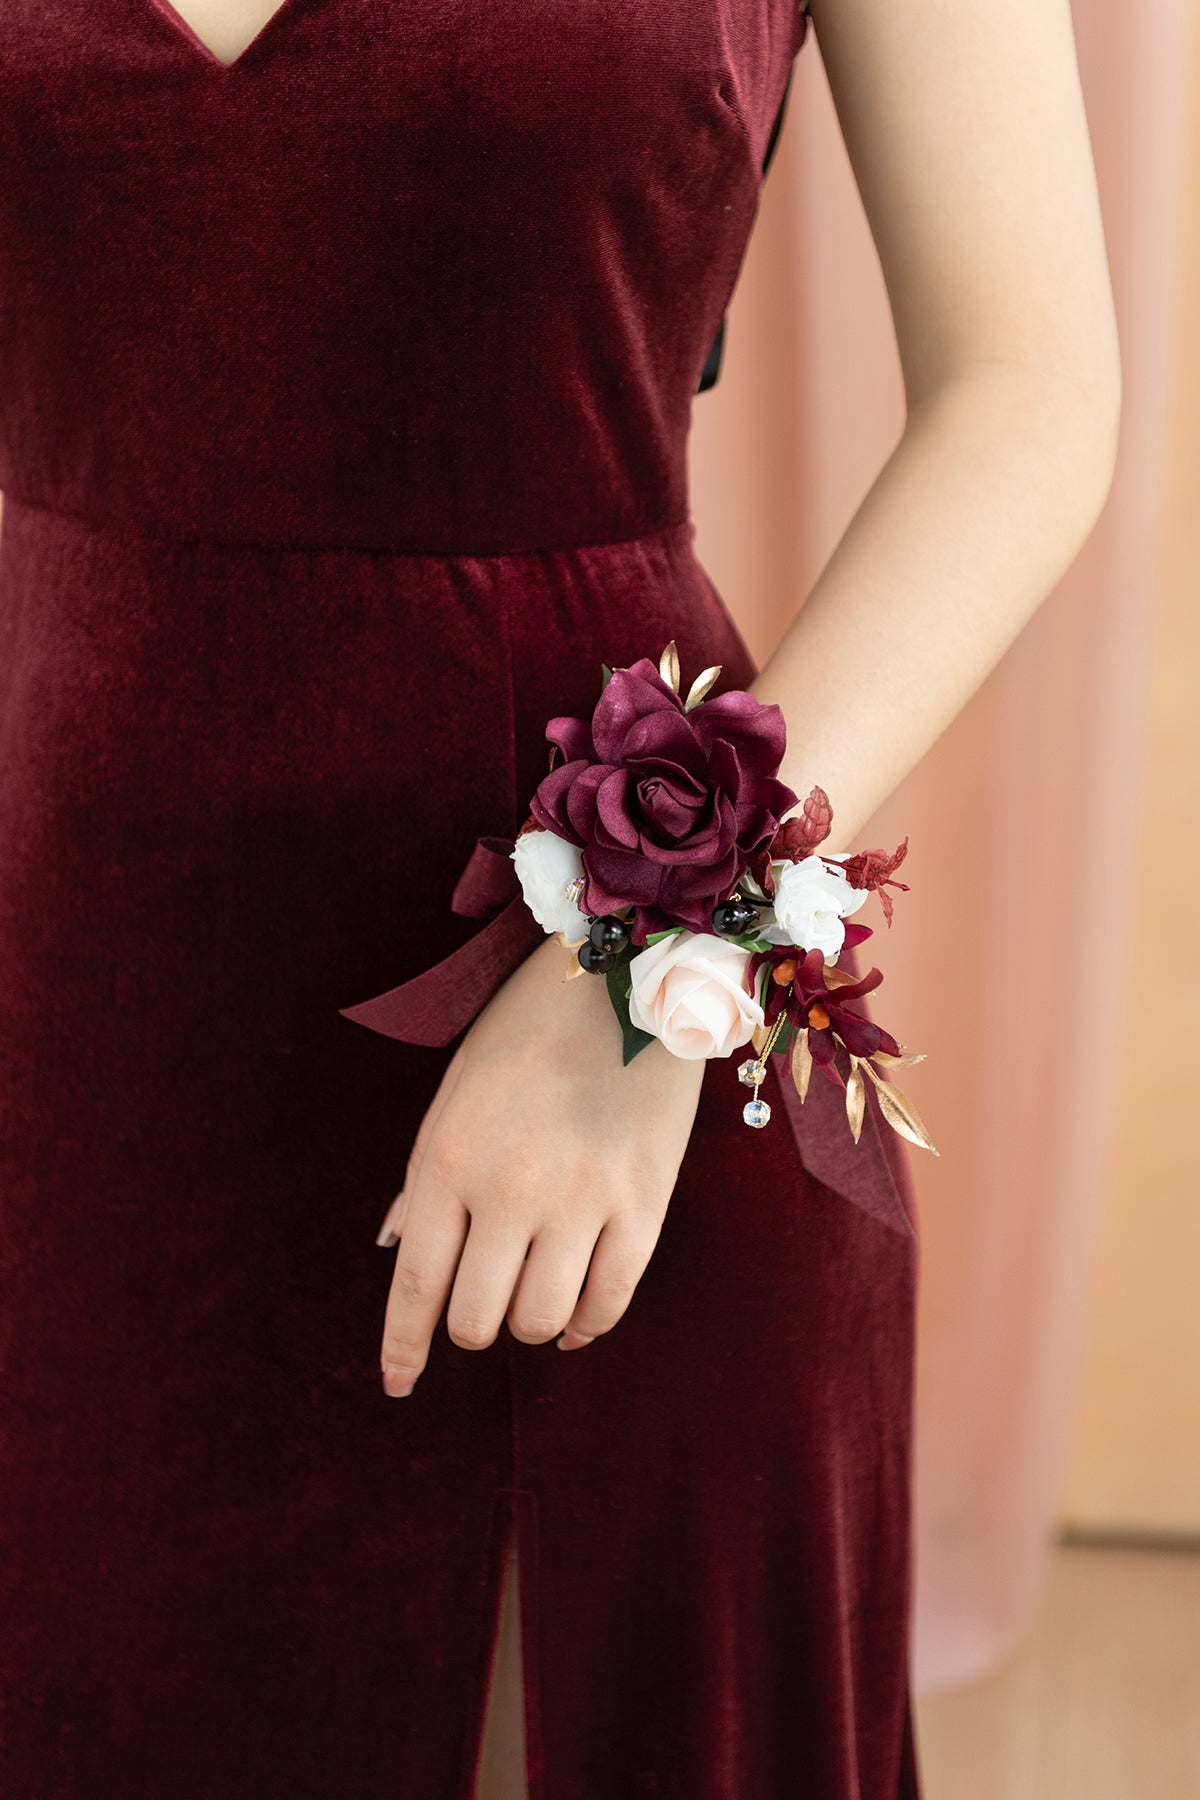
x,y
753,1072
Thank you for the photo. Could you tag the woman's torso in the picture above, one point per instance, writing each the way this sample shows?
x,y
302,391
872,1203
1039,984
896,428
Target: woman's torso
x,y
438,277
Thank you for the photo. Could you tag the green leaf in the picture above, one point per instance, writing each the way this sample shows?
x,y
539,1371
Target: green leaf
x,y
615,981
654,937
605,676
633,1038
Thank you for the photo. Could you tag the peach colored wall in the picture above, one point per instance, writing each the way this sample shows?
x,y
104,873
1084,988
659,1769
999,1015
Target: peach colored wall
x,y
1020,818
1135,1451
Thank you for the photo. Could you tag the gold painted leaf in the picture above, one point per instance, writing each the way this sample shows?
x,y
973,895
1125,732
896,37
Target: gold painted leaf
x,y
801,1062
856,1099
668,666
900,1112
701,686
569,943
759,1036
898,1062
836,978
574,968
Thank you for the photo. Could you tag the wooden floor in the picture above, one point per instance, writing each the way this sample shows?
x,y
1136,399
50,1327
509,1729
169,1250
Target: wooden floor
x,y
1102,1702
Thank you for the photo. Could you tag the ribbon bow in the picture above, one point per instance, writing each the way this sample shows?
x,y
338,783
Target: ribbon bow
x,y
436,1005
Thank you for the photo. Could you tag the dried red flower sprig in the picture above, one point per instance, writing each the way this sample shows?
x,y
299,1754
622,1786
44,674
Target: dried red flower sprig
x,y
800,836
796,837
873,870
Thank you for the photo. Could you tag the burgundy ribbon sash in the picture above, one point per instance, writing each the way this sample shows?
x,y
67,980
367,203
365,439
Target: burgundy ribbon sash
x,y
436,1005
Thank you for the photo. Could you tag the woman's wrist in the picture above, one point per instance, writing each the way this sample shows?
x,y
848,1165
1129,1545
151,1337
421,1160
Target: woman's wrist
x,y
664,854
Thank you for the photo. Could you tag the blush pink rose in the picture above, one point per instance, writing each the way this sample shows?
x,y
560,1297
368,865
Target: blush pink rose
x,y
692,990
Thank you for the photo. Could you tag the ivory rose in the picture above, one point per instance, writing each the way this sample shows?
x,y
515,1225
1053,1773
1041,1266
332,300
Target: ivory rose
x,y
692,990
811,900
545,864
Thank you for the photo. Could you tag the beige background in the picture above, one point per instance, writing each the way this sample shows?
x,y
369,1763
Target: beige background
x,y
1135,1448
1058,1342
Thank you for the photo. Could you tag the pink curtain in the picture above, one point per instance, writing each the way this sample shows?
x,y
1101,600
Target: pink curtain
x,y
1022,819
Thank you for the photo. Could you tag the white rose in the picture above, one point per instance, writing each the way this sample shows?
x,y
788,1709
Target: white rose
x,y
546,864
692,990
811,900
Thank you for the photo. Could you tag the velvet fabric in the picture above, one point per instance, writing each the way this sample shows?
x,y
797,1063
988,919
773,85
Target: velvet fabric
x,y
344,397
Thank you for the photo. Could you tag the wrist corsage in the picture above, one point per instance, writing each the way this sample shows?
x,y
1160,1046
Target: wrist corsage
x,y
657,853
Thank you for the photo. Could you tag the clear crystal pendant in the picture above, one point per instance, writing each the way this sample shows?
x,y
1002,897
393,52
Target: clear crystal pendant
x,y
752,1071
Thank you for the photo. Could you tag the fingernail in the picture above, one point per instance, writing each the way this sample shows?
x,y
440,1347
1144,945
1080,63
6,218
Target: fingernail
x,y
388,1235
573,1340
398,1382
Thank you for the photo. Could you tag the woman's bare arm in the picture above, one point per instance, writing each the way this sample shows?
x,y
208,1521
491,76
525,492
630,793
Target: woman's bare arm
x,y
966,132
967,136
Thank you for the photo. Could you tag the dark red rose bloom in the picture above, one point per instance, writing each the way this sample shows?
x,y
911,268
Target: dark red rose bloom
x,y
810,1004
796,838
667,806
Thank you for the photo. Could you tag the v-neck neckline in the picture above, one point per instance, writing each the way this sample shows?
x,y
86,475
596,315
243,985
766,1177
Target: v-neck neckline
x,y
186,33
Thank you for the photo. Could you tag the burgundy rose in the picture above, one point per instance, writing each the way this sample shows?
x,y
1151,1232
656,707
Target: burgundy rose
x,y
668,806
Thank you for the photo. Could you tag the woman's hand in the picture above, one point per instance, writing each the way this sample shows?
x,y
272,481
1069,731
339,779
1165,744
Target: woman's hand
x,y
539,1139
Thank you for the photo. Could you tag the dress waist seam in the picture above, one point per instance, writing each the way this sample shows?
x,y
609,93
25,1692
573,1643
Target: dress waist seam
x,y
682,528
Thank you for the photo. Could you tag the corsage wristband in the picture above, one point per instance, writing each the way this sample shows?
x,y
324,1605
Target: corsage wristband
x,y
657,853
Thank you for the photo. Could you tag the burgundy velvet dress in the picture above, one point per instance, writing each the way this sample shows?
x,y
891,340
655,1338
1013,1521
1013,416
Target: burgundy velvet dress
x,y
344,398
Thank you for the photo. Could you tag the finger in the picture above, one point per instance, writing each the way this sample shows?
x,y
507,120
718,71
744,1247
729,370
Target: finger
x,y
488,1271
619,1261
425,1264
393,1220
549,1285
